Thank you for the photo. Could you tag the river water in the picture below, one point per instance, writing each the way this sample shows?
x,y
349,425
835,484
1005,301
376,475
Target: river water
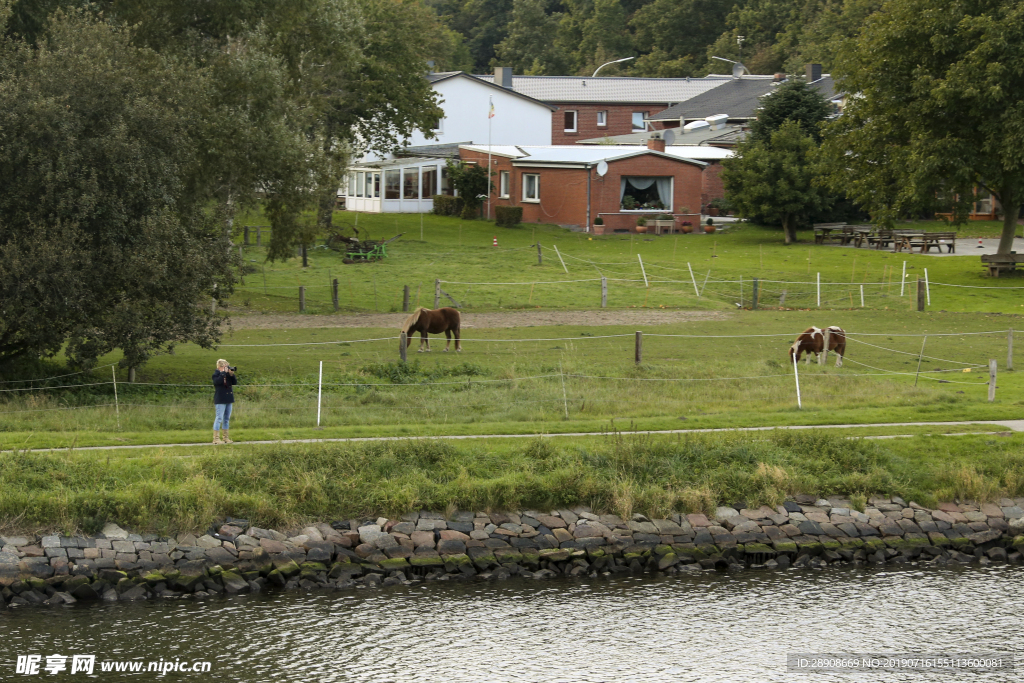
x,y
711,627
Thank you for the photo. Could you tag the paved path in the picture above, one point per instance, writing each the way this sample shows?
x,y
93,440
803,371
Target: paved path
x,y
1010,425
965,246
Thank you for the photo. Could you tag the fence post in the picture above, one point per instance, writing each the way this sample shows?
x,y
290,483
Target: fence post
x,y
920,295
903,278
131,374
819,290
437,294
927,289
693,279
1009,350
403,343
754,302
117,407
405,299
604,292
259,237
823,358
862,296
639,347
334,294
796,374
302,299
991,380
246,238
319,392
539,259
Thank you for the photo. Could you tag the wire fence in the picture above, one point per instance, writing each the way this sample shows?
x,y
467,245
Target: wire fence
x,y
643,374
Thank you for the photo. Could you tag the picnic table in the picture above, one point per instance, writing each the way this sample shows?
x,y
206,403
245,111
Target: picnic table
x,y
823,232
995,263
925,241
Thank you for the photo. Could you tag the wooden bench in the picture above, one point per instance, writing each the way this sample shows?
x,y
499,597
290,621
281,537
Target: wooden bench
x,y
937,239
881,239
827,232
1000,262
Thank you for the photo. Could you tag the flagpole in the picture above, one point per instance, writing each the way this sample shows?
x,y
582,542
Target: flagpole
x,y
490,115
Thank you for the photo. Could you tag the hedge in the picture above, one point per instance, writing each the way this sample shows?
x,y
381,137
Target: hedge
x,y
508,216
446,205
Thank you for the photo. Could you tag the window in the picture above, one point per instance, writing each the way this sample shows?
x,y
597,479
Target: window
x,y
392,184
531,187
410,183
446,186
360,183
602,118
438,126
429,181
638,121
352,184
376,185
645,193
503,184
369,186
570,121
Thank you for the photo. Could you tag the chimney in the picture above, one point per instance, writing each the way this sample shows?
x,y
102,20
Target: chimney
x,y
503,76
656,142
813,72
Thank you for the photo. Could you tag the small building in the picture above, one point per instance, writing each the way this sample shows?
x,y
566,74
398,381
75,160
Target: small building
x,y
402,185
573,185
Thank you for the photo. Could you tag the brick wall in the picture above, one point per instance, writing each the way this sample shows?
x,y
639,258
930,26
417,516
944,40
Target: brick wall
x,y
619,120
563,191
713,188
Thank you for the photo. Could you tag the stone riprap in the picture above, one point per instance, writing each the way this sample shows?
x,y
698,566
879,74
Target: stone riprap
x,y
235,557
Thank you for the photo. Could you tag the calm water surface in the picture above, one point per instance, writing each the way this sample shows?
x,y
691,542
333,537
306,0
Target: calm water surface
x,y
730,628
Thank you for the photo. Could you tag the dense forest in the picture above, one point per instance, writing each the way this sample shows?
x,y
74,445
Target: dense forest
x,y
666,37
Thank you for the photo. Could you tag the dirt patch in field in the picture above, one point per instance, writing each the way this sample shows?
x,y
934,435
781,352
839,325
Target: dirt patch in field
x,y
479,320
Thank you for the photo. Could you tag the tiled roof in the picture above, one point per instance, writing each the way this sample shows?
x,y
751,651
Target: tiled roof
x,y
612,88
739,98
727,135
435,77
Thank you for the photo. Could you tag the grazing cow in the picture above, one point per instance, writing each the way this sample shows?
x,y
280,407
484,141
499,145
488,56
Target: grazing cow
x,y
812,340
425,320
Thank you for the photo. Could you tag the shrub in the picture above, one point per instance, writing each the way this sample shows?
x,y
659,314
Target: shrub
x,y
663,217
508,216
469,212
598,221
446,205
641,221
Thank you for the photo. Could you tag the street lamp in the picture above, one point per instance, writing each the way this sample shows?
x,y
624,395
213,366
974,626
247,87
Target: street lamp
x,y
616,61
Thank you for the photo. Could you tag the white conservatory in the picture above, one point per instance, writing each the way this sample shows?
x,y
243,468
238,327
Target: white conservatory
x,y
396,185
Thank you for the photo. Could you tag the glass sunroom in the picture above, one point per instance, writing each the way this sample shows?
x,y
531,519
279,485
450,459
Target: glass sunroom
x,y
397,185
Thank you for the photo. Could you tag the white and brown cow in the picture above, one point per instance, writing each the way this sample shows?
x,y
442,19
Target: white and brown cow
x,y
812,340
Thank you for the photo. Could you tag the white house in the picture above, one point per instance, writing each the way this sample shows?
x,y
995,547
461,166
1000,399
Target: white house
x,y
407,181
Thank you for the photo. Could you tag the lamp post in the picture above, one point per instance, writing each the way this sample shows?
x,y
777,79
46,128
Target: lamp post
x,y
616,61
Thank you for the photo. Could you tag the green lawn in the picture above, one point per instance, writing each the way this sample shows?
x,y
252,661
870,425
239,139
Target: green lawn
x,y
462,254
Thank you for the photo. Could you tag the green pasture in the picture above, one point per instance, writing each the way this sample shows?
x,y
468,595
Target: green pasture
x,y
532,380
281,485
480,276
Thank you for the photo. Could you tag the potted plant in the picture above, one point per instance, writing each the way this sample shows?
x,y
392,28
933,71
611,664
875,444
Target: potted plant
x,y
641,224
710,226
686,227
598,222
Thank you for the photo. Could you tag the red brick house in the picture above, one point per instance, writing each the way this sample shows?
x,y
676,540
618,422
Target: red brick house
x,y
572,185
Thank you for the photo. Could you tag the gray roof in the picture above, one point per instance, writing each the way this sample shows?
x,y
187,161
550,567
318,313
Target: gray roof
x,y
729,135
448,149
626,90
434,77
739,98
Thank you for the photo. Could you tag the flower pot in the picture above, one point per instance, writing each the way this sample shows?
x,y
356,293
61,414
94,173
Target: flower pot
x,y
687,229
641,228
709,229
712,212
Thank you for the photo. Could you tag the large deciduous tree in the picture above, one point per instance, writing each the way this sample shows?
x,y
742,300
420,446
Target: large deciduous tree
x,y
937,109
775,178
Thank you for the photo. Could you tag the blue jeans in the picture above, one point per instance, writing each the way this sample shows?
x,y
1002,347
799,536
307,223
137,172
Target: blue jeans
x,y
223,416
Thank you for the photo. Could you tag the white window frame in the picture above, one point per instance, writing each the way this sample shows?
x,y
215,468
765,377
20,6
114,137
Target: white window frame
x,y
643,120
360,183
504,184
535,199
440,126
575,120
602,119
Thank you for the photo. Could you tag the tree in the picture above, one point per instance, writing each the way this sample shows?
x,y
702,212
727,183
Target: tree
x,y
775,179
794,100
530,46
471,182
105,242
937,112
675,35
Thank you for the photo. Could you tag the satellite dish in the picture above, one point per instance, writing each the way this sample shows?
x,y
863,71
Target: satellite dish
x,y
670,138
602,168
738,69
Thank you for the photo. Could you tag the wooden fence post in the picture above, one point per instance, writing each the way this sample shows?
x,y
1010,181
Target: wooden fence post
x,y
403,342
131,374
539,259
604,292
920,295
259,237
991,380
437,294
753,305
334,294
302,299
639,347
246,238
405,299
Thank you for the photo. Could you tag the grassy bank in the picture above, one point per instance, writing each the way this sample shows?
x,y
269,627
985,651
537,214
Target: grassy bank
x,y
284,485
462,254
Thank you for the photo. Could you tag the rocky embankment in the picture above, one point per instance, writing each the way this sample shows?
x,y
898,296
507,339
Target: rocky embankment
x,y
234,557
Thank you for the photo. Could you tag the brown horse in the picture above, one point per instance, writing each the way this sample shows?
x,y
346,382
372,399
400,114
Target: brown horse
x,y
425,320
812,340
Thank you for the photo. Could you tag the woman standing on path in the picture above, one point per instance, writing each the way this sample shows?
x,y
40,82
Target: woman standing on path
x,y
223,398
